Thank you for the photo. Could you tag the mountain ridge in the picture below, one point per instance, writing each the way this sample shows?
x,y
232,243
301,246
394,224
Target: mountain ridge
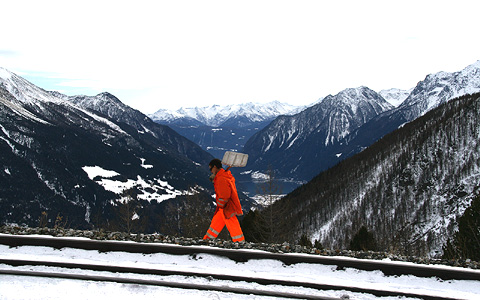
x,y
298,142
79,155
407,188
218,115
429,93
434,90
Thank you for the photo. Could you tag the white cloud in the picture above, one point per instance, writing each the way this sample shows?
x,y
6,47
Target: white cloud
x,y
166,54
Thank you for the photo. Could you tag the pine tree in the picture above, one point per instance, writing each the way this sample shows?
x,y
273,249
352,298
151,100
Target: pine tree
x,y
363,240
254,228
466,242
304,241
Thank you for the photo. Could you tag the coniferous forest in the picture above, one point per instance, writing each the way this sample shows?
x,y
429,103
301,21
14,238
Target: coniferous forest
x,y
407,190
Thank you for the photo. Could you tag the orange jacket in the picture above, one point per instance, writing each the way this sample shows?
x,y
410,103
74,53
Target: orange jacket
x,y
226,194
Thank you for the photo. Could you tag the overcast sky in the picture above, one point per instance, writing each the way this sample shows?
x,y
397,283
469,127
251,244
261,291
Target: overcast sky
x,y
169,54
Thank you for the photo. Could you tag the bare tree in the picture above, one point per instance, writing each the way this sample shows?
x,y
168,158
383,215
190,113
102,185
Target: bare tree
x,y
269,221
128,219
197,212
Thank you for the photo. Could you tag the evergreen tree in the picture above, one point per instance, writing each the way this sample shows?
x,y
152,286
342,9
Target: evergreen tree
x,y
363,240
254,228
304,241
318,245
466,242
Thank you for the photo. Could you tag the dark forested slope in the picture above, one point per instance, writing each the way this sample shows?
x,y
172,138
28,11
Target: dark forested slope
x,y
407,189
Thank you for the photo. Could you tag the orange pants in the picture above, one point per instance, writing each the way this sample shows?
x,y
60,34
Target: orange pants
x,y
219,221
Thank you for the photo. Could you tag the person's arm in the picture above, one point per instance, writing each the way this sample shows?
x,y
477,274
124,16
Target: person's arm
x,y
223,190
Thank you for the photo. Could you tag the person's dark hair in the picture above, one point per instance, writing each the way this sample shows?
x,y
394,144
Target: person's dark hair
x,y
215,163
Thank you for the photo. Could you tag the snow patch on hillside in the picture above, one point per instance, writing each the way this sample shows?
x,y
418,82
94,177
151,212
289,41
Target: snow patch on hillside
x,y
156,189
95,171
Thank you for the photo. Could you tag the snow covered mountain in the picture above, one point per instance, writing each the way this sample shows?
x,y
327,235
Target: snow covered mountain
x,y
439,88
407,189
395,96
77,156
235,115
434,90
296,145
217,129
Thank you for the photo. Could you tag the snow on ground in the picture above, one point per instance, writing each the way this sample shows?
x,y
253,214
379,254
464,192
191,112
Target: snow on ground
x,y
94,171
18,287
144,165
149,190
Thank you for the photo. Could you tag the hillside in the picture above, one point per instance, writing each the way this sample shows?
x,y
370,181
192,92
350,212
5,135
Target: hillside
x,y
407,189
300,146
89,160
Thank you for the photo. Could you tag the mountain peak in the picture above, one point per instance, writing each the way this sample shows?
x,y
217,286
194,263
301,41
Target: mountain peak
x,y
395,96
475,65
441,87
107,95
292,142
355,94
354,98
5,74
216,115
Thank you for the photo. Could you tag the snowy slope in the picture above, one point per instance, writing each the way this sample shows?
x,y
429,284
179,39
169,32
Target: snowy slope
x,y
345,131
28,95
298,142
441,87
395,96
429,93
408,189
49,142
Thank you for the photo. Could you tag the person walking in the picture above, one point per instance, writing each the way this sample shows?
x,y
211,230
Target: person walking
x,y
228,204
